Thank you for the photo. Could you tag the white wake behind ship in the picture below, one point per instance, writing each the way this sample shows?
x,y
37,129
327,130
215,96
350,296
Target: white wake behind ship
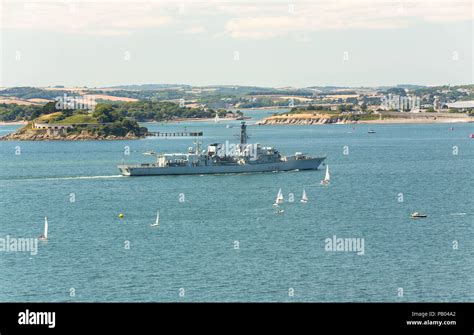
x,y
245,158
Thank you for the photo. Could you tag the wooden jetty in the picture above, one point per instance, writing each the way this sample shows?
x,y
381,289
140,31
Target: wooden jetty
x,y
174,133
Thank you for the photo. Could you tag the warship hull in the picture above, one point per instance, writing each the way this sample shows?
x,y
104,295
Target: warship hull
x,y
153,170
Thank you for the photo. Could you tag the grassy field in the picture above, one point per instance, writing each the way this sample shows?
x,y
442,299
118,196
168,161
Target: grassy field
x,y
48,117
78,118
60,119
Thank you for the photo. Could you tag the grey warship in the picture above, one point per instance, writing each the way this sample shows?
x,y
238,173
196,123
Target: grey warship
x,y
218,159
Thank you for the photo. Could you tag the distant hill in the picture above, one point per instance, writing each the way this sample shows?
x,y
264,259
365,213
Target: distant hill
x,y
220,96
147,87
31,93
328,89
410,87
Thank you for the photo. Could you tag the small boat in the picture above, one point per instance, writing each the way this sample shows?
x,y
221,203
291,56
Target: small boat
x,y
279,199
304,198
279,211
327,177
149,153
157,222
418,215
44,236
228,126
471,136
371,131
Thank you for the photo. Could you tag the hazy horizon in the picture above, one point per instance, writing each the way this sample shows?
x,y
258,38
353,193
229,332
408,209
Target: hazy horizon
x,y
358,43
233,85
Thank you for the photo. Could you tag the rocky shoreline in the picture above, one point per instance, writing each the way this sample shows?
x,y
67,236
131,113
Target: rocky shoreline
x,y
35,135
318,119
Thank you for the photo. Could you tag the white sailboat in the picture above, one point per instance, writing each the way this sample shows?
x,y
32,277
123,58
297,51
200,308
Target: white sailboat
x,y
216,119
279,199
304,198
157,222
327,177
44,236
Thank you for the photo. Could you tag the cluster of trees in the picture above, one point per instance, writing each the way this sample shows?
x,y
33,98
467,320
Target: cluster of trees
x,y
371,101
296,92
331,92
446,93
266,102
212,96
14,112
157,111
363,117
113,122
345,108
214,101
396,91
310,108
140,111
152,95
327,109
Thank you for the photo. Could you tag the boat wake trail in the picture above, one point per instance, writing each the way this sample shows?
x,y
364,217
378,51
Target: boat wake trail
x,y
85,177
458,214
64,178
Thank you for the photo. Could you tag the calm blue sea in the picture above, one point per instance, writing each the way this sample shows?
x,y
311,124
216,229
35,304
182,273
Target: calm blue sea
x,y
92,255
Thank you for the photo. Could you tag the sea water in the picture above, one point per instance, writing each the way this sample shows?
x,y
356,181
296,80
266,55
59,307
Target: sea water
x,y
219,237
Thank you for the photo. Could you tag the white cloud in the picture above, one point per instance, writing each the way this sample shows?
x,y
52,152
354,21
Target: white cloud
x,y
280,20
194,30
109,19
235,19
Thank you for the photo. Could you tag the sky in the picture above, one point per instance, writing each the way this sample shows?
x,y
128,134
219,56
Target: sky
x,y
275,43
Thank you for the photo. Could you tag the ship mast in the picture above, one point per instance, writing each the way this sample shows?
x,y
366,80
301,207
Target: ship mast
x,y
243,133
198,146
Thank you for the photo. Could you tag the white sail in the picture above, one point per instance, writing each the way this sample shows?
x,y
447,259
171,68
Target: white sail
x,y
157,222
45,235
304,198
327,176
216,119
279,198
